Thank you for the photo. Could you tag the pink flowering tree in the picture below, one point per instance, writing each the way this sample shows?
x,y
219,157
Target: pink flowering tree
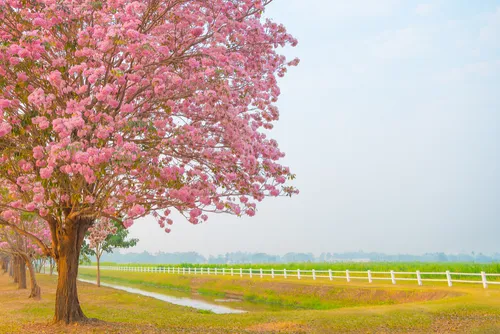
x,y
24,249
98,234
104,236
120,109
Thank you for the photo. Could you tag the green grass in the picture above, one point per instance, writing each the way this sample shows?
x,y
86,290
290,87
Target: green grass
x,y
476,268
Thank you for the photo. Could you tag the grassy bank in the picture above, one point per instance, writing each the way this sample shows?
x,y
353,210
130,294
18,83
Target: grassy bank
x,y
474,311
271,294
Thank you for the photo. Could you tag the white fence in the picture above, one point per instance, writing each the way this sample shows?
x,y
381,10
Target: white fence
x,y
369,276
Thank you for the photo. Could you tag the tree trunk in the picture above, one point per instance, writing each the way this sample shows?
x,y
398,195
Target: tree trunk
x,y
5,264
36,292
51,266
16,269
21,284
68,308
11,267
98,271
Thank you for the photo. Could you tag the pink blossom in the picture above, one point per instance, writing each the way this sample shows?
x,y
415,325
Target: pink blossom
x,y
5,128
30,206
8,214
45,173
22,76
38,152
195,213
127,223
136,210
280,179
4,103
197,31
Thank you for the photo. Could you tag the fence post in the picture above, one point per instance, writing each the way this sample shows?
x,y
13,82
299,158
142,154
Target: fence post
x,y
232,273
370,276
272,273
223,271
183,270
314,274
201,271
347,277
208,271
419,278
298,273
241,272
393,278
189,271
448,277
261,273
330,274
250,272
195,270
215,271
485,281
284,273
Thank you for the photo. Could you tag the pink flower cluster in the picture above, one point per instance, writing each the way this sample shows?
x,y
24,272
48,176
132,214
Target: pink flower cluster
x,y
113,117
99,232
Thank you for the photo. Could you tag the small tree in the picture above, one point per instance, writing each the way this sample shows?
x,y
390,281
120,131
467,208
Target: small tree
x,y
102,238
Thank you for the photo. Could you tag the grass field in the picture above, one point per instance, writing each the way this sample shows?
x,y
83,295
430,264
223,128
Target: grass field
x,y
354,266
463,268
274,306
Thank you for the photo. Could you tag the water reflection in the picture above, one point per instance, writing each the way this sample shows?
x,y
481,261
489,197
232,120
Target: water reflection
x,y
198,304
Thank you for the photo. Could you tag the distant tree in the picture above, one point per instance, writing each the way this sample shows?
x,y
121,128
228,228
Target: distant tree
x,y
23,250
102,238
5,259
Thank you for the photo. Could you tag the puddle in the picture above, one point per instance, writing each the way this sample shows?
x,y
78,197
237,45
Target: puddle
x,y
197,304
227,300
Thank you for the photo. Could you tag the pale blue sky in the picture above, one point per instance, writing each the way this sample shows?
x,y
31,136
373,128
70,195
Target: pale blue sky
x,y
392,125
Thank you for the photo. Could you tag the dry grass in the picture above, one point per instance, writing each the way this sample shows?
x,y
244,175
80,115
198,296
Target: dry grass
x,y
474,311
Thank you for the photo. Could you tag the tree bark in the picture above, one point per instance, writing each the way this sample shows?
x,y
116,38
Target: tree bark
x,y
5,264
21,284
15,265
36,292
70,241
51,266
98,271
